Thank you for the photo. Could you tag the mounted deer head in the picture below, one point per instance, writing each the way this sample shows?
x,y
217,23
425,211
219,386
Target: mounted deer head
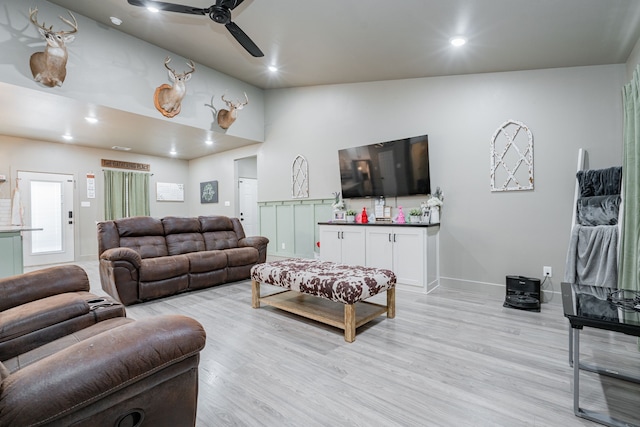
x,y
167,98
50,67
225,117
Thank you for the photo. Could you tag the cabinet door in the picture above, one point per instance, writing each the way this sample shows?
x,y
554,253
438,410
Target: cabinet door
x,y
330,243
380,247
409,256
353,245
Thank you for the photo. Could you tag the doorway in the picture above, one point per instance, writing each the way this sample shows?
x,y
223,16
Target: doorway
x,y
47,199
247,194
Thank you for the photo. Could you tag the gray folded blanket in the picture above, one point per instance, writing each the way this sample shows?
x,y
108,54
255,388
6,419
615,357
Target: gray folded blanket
x,y
598,210
600,182
592,258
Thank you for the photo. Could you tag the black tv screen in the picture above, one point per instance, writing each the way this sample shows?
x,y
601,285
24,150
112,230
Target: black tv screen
x,y
389,169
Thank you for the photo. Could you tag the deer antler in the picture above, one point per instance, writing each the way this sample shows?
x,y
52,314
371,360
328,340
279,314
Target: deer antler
x,y
192,66
33,17
73,25
166,64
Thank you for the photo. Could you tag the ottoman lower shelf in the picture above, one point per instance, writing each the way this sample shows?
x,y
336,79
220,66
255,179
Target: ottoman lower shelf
x,y
344,316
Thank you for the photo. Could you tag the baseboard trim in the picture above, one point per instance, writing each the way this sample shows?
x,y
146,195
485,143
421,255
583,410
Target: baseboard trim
x,y
493,289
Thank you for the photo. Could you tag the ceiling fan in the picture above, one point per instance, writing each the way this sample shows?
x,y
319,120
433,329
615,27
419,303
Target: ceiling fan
x,y
219,12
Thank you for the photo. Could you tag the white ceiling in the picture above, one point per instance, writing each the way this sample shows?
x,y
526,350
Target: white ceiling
x,y
345,41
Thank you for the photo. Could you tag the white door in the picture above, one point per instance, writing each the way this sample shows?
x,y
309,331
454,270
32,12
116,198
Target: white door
x,y
248,205
48,204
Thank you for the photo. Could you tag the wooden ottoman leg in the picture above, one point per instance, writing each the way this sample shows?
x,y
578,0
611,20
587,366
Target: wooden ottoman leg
x,y
255,294
391,303
350,322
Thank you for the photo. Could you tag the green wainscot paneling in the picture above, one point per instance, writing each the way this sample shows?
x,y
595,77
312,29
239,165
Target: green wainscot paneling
x,y
292,225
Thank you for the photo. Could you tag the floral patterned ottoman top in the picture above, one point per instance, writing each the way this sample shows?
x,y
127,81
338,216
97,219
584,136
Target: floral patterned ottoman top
x,y
336,282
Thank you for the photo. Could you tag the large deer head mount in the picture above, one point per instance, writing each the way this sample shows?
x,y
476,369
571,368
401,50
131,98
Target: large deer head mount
x,y
50,67
226,117
168,98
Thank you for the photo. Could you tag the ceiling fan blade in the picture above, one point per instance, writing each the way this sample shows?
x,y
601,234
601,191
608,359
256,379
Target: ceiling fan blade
x,y
229,4
169,7
244,40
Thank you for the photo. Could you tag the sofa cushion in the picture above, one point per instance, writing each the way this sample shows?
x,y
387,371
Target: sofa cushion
x,y
241,256
218,240
146,246
184,243
176,224
153,269
139,226
215,223
36,315
200,262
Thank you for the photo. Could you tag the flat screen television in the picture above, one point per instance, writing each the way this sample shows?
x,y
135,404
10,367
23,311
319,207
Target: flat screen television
x,y
388,169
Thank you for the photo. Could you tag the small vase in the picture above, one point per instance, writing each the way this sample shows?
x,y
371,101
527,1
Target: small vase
x,y
351,218
414,219
434,215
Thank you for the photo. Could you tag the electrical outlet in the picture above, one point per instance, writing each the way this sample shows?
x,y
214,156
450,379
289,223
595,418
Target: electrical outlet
x,y
547,271
283,246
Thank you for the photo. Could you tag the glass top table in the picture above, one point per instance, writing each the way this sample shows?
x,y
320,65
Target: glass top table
x,y
604,308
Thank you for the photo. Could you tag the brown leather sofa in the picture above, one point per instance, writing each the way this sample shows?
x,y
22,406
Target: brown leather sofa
x,y
143,258
113,372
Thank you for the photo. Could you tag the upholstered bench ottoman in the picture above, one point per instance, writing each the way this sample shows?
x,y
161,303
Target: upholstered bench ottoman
x,y
306,280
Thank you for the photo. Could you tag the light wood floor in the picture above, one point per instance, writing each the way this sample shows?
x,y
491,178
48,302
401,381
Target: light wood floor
x,y
447,359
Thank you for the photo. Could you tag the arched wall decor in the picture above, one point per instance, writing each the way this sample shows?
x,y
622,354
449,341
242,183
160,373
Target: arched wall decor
x,y
512,157
300,178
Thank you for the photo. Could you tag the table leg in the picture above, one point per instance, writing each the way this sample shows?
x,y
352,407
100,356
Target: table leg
x,y
350,322
255,294
391,303
576,371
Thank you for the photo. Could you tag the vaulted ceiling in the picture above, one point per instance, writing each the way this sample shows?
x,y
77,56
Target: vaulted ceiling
x,y
345,41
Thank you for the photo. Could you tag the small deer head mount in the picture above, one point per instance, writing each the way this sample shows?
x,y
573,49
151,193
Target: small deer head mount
x,y
168,98
50,67
226,117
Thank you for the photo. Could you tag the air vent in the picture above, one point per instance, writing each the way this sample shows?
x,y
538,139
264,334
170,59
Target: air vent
x,y
119,148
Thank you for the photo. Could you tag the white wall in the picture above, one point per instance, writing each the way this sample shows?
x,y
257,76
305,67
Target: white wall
x,y
110,68
484,236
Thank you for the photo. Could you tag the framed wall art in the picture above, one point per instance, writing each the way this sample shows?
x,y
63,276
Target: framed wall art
x,y
209,192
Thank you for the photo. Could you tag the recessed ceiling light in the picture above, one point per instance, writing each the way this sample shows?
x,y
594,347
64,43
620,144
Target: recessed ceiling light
x,y
208,142
91,119
153,9
67,137
458,41
173,152
273,68
115,21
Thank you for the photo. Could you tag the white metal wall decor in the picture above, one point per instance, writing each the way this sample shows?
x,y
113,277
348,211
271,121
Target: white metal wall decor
x,y
512,157
299,178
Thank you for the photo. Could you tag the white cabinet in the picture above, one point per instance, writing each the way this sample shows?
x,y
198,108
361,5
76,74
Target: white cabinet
x,y
400,249
343,244
410,251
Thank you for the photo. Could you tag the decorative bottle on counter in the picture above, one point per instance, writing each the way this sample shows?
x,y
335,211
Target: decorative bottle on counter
x,y
401,219
364,217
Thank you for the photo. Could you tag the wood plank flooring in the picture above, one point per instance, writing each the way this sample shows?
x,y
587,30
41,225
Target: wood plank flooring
x,y
447,359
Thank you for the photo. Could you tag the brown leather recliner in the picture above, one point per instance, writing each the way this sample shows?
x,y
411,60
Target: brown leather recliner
x,y
120,373
44,305
70,358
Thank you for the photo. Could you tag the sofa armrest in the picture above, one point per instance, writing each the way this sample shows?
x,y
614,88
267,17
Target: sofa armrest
x,y
254,241
93,369
123,254
39,284
258,242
